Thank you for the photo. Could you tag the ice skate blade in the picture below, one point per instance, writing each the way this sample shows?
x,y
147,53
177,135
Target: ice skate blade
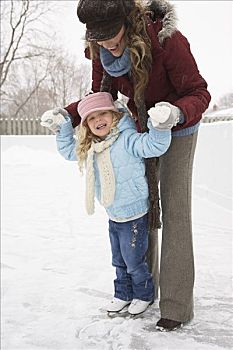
x,y
121,313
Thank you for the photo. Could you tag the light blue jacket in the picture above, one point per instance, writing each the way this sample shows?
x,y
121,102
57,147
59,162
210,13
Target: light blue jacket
x,y
127,153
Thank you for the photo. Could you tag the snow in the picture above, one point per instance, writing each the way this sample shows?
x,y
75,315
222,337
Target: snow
x,y
56,263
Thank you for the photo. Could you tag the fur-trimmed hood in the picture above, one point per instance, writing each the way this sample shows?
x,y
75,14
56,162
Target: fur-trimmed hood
x,y
165,12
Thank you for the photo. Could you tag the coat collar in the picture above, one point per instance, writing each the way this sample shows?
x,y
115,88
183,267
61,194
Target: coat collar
x,y
164,12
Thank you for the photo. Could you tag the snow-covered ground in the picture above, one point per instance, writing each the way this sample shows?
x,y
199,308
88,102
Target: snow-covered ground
x,y
56,264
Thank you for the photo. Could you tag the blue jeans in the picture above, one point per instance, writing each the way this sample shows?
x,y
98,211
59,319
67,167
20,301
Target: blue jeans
x,y
129,243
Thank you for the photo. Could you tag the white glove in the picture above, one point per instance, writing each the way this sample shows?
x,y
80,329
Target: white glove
x,y
164,115
53,118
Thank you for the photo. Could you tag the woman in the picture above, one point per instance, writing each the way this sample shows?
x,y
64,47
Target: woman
x,y
139,52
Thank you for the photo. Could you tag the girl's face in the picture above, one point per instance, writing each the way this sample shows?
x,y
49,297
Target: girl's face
x,y
115,45
100,123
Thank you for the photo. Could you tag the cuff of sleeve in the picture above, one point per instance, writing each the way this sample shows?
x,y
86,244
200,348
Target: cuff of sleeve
x,y
181,118
66,128
69,117
156,133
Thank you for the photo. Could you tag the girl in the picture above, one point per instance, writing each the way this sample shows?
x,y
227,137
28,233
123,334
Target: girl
x,y
113,151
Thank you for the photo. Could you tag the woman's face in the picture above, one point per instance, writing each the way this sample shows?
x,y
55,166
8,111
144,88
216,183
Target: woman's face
x,y
115,45
100,123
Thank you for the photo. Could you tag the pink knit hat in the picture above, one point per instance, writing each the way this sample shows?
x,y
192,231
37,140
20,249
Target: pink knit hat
x,y
95,102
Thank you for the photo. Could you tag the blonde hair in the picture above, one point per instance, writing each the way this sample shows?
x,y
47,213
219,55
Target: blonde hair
x,y
85,138
139,44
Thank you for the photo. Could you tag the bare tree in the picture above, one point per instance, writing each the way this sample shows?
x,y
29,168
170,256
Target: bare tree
x,y
35,74
226,101
67,80
53,80
21,21
83,80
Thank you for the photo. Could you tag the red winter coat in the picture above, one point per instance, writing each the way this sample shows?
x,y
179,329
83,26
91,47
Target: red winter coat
x,y
174,77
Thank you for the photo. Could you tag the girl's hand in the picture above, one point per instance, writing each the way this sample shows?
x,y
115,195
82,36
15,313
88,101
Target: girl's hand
x,y
53,118
164,115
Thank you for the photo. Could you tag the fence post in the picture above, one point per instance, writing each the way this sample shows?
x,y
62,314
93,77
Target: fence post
x,y
22,120
2,126
33,124
19,124
13,128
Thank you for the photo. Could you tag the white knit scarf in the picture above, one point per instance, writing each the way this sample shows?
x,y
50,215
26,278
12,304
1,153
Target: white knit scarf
x,y
106,173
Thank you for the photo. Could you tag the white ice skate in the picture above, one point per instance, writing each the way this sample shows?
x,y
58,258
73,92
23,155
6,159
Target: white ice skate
x,y
138,306
116,305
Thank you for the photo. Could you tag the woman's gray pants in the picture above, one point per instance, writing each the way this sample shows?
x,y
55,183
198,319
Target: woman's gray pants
x,y
176,277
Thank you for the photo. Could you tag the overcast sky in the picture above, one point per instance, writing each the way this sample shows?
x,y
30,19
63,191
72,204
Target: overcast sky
x,y
206,24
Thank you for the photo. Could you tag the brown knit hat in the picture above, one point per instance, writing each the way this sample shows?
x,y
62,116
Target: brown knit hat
x,y
103,18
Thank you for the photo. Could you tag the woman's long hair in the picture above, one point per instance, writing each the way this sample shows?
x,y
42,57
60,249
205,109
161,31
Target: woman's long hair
x,y
139,44
85,138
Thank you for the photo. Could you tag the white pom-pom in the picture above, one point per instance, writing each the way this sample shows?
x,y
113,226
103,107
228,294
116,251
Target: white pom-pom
x,y
159,114
162,113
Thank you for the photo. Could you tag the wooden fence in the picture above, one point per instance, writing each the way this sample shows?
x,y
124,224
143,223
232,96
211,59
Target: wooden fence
x,y
31,126
22,126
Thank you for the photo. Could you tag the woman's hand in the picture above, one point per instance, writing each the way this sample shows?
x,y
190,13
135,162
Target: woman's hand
x,y
164,115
